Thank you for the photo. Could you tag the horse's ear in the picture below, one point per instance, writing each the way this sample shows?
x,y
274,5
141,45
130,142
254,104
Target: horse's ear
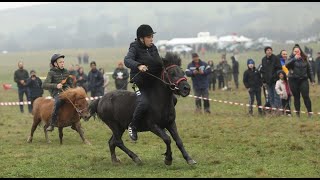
x,y
165,61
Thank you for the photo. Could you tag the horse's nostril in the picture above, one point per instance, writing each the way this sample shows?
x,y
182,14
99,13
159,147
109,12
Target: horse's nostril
x,y
186,88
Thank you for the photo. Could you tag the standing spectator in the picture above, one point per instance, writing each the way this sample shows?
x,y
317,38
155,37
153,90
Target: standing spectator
x,y
220,75
227,74
318,67
270,66
82,79
79,58
95,80
72,71
106,82
312,64
253,82
76,68
235,71
34,84
283,90
198,70
212,77
299,72
120,76
85,58
20,77
283,58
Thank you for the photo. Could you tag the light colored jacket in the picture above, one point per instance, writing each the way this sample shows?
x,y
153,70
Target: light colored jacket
x,y
281,89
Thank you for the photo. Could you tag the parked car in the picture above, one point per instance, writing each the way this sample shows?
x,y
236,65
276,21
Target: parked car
x,y
181,49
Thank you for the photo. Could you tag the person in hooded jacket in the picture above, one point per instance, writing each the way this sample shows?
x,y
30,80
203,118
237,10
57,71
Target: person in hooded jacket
x,y
252,81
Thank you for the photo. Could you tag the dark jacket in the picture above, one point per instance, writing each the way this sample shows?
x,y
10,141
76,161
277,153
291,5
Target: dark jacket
x,y
20,74
318,64
95,80
252,79
270,67
83,82
199,81
54,77
235,65
35,87
120,72
299,69
139,54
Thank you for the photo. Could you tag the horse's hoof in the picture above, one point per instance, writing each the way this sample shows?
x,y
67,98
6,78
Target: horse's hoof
x,y
116,161
137,160
192,162
29,140
87,142
167,162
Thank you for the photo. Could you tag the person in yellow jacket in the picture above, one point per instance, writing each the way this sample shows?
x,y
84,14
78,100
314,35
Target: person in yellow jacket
x,y
283,58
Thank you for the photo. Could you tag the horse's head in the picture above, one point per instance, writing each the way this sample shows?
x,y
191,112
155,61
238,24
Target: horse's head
x,y
174,74
77,97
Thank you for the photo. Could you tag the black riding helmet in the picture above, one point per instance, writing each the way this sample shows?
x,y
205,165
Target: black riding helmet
x,y
55,57
144,30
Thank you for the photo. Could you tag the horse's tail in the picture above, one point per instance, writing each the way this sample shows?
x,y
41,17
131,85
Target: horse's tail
x,y
93,108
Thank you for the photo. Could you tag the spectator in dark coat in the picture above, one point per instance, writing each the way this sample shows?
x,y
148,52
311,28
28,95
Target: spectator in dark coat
x,y
95,81
212,77
299,73
253,82
82,79
270,66
235,71
34,84
20,77
318,67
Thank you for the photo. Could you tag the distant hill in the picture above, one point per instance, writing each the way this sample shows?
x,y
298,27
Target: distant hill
x,y
106,24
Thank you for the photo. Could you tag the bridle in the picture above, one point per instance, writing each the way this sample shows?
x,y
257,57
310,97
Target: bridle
x,y
79,111
172,85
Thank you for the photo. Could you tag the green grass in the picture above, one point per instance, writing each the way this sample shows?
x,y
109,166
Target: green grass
x,y
227,143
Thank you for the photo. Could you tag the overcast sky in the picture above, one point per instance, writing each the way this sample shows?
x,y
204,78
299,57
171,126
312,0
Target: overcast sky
x,y
10,5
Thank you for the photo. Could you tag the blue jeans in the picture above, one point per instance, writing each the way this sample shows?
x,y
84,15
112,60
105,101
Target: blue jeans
x,y
274,98
21,91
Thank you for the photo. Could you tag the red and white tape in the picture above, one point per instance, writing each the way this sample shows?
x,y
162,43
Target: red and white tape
x,y
29,102
196,97
248,105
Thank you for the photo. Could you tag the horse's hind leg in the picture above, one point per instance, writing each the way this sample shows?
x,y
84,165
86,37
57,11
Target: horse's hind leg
x,y
81,133
117,141
174,133
162,134
36,122
60,134
112,147
46,132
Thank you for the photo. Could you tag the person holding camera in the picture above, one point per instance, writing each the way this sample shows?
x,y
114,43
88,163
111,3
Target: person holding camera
x,y
198,70
34,84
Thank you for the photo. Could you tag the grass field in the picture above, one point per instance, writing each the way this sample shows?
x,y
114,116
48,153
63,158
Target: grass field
x,y
226,143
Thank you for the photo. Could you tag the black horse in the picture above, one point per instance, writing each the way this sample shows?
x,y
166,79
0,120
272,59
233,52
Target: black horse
x,y
116,110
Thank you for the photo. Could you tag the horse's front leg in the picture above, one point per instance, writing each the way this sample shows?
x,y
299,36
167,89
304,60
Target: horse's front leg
x,y
162,134
174,133
60,134
77,126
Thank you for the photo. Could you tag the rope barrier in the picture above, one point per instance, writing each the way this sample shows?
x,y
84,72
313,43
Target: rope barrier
x,y
196,97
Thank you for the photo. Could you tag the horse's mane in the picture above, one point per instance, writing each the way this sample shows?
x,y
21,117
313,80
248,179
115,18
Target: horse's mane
x,y
172,59
73,94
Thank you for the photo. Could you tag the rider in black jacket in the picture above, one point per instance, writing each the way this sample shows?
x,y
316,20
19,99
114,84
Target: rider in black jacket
x,y
142,57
